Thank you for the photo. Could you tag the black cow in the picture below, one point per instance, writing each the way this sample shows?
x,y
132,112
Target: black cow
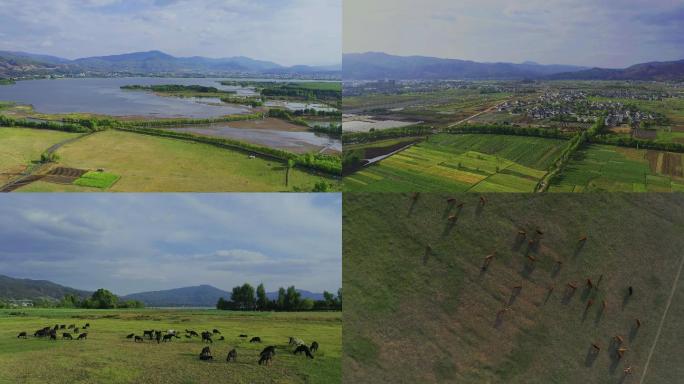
x,y
148,333
82,336
206,354
266,356
130,336
243,336
216,331
193,333
67,336
255,339
22,335
138,339
167,338
221,338
53,335
314,346
232,355
62,326
305,349
87,325
206,336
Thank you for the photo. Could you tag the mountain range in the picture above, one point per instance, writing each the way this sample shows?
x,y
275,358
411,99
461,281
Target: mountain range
x,y
13,64
196,296
378,66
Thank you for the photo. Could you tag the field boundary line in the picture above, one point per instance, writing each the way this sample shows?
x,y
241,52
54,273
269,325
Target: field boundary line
x,y
662,320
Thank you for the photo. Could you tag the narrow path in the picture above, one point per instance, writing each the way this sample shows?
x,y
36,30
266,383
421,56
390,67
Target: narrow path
x,y
662,320
476,115
31,171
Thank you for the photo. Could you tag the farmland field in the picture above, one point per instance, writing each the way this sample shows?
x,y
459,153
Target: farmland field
x,y
617,169
476,163
107,356
150,163
21,146
421,307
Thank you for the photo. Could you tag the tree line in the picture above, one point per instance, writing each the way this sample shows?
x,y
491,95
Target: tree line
x,y
246,298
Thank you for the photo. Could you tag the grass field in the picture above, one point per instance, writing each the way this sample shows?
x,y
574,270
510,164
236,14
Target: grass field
x,y
149,163
475,163
431,316
617,169
96,179
20,146
108,357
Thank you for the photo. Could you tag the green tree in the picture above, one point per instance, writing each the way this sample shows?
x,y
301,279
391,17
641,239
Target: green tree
x,y
103,299
262,300
280,303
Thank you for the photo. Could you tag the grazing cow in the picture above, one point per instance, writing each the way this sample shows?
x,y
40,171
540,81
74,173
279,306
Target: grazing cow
x,y
53,335
82,336
148,334
232,355
67,336
314,346
138,339
619,339
193,333
130,336
86,326
638,323
590,284
167,337
216,331
305,349
243,336
22,335
295,341
206,354
630,290
596,347
255,339
221,338
206,336
483,201
266,356
582,239
56,327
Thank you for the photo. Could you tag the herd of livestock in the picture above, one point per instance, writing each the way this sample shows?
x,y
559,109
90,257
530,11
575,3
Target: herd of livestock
x,y
265,357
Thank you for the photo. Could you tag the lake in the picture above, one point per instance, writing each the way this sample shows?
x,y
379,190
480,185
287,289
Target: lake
x,y
104,96
293,141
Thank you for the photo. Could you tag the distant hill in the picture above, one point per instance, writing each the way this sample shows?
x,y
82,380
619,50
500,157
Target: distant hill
x,y
658,71
151,62
197,296
27,289
378,65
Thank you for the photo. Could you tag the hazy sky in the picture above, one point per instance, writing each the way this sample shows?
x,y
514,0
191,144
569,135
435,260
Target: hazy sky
x,y
606,33
284,31
138,242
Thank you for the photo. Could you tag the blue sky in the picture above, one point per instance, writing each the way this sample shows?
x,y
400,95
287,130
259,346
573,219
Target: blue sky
x,y
607,33
284,31
138,242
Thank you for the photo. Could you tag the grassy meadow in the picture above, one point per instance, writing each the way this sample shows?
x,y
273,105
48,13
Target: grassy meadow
x,y
155,164
19,147
618,169
421,307
460,163
107,356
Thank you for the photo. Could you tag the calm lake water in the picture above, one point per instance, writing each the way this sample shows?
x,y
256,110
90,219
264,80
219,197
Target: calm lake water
x,y
104,96
298,142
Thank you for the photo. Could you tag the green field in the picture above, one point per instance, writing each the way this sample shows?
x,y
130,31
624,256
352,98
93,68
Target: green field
x,y
471,162
617,169
150,163
96,179
419,315
21,146
108,357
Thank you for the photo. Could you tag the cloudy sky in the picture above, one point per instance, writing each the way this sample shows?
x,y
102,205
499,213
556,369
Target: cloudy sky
x,y
131,243
287,32
607,33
